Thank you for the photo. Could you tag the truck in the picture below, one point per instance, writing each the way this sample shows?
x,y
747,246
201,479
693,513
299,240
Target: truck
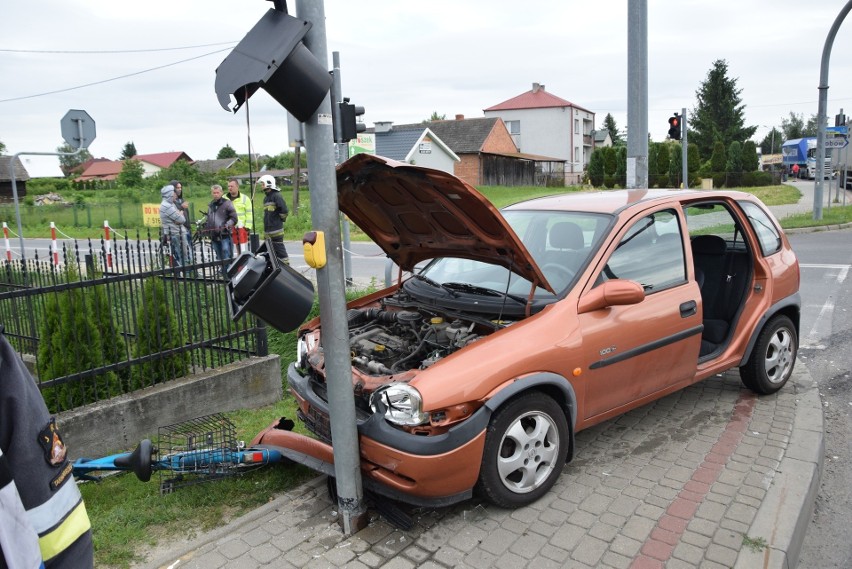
x,y
841,162
802,151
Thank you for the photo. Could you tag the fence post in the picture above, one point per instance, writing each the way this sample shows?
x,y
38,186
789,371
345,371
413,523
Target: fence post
x,y
89,216
6,237
120,216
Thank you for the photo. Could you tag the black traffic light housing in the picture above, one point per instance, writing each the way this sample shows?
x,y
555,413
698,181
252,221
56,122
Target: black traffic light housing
x,y
272,56
349,125
674,127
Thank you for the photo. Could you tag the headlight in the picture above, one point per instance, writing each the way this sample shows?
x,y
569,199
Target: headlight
x,y
401,404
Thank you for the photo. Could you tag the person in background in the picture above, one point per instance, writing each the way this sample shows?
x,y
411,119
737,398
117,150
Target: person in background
x,y
221,220
245,212
43,519
183,205
172,222
274,215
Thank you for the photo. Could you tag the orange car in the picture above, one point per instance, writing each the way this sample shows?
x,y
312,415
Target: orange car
x,y
515,329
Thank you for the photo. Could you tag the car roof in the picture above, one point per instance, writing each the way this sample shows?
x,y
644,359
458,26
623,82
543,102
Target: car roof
x,y
614,201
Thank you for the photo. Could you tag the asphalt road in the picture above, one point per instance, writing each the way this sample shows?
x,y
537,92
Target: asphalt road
x,y
826,336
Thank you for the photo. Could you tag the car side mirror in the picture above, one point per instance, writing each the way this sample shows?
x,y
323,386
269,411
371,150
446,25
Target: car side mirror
x,y
616,292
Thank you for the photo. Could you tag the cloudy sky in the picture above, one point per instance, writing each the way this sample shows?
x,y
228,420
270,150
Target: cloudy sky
x,y
150,66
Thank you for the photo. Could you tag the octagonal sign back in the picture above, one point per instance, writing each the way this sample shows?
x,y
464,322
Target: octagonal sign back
x,y
71,132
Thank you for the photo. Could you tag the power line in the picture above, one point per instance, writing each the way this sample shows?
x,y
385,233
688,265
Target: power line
x,y
111,51
111,79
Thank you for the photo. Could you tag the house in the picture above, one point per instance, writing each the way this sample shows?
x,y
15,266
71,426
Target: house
x,y
153,163
415,144
601,138
542,123
106,170
213,166
21,178
487,154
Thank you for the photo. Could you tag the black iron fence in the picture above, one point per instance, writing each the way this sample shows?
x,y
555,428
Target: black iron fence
x,y
96,320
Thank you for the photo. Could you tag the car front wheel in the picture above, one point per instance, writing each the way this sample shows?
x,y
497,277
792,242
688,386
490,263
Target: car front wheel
x,y
525,448
771,363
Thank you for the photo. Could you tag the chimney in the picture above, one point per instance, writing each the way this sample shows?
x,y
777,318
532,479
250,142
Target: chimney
x,y
383,126
459,117
537,87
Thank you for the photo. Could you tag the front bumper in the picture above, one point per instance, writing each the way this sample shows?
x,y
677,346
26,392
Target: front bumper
x,y
417,469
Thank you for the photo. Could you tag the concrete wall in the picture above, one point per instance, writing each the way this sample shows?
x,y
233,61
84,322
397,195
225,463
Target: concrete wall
x,y
119,424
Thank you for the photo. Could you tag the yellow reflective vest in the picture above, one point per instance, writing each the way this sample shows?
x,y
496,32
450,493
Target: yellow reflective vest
x,y
242,203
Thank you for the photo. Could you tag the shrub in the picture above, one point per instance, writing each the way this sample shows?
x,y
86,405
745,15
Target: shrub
x,y
156,331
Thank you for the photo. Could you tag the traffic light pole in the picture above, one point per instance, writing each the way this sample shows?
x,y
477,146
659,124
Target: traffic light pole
x,y
342,155
319,139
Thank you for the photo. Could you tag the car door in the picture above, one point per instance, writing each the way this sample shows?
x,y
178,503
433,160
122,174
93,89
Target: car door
x,y
634,351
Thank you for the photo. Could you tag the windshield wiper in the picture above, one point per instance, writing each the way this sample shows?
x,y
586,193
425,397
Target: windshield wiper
x,y
435,284
483,291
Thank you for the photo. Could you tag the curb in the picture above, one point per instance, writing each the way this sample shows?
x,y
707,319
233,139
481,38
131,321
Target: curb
x,y
786,511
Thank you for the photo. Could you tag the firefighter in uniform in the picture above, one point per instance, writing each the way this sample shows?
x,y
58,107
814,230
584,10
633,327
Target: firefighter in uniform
x,y
43,520
274,214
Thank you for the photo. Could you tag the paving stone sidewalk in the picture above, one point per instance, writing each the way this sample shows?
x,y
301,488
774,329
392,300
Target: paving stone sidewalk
x,y
709,477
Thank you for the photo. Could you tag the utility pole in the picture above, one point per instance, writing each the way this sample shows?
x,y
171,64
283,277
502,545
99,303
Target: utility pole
x,y
342,155
637,94
823,105
319,140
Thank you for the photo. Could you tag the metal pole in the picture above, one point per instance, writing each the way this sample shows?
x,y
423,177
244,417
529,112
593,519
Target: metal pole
x,y
637,93
332,292
823,105
683,148
342,155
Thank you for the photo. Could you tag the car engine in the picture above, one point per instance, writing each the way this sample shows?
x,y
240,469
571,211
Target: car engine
x,y
385,342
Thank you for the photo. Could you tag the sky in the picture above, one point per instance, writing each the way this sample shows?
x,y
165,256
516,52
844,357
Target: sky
x,y
401,60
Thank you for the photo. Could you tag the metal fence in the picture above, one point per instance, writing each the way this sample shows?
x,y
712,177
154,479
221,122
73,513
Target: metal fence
x,y
98,320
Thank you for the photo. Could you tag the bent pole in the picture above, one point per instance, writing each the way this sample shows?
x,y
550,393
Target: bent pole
x,y
822,112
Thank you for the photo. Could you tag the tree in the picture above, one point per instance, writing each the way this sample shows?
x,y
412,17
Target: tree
x,y
132,174
435,117
734,164
717,164
675,166
72,159
612,128
226,152
771,143
793,127
129,151
750,160
719,112
596,167
2,148
811,128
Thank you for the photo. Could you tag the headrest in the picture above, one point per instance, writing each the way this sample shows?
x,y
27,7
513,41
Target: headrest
x,y
708,245
566,235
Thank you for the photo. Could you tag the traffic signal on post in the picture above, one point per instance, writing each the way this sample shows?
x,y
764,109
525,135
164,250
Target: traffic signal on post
x,y
674,127
349,125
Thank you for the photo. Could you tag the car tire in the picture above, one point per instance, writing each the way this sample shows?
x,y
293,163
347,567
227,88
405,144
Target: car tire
x,y
771,363
525,448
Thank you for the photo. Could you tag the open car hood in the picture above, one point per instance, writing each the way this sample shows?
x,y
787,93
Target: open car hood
x,y
416,213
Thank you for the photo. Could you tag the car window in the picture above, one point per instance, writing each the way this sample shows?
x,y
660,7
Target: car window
x,y
650,253
767,234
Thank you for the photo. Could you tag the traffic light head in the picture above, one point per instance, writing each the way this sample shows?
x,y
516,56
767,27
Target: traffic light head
x,y
674,127
349,125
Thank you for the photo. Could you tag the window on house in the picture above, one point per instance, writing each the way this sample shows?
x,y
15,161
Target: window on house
x,y
514,127
576,154
576,126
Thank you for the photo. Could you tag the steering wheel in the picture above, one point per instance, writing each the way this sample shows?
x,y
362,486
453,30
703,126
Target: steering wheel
x,y
558,269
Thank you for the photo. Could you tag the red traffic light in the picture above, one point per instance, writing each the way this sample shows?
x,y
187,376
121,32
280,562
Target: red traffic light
x,y
674,127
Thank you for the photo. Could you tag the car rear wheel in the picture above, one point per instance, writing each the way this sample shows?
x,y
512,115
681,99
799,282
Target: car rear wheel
x,y
771,363
525,448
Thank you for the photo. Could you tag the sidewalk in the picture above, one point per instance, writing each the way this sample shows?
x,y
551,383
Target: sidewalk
x,y
692,480
711,477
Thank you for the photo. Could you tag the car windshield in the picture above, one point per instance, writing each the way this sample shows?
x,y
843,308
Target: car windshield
x,y
561,242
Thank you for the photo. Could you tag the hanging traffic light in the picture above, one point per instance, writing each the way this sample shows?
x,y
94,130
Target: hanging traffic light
x,y
674,127
272,56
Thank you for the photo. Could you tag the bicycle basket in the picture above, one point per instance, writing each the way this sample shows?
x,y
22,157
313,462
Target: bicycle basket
x,y
195,451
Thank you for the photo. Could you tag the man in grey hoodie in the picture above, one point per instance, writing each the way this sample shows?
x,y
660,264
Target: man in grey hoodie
x,y
173,225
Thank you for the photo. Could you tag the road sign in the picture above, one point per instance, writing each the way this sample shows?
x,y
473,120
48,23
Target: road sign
x,y
837,129
71,125
836,142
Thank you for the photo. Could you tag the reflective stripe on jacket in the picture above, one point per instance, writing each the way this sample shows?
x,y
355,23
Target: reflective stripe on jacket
x,y
36,459
19,547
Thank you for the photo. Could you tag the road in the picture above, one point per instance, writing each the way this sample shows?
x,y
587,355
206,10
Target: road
x,y
826,336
